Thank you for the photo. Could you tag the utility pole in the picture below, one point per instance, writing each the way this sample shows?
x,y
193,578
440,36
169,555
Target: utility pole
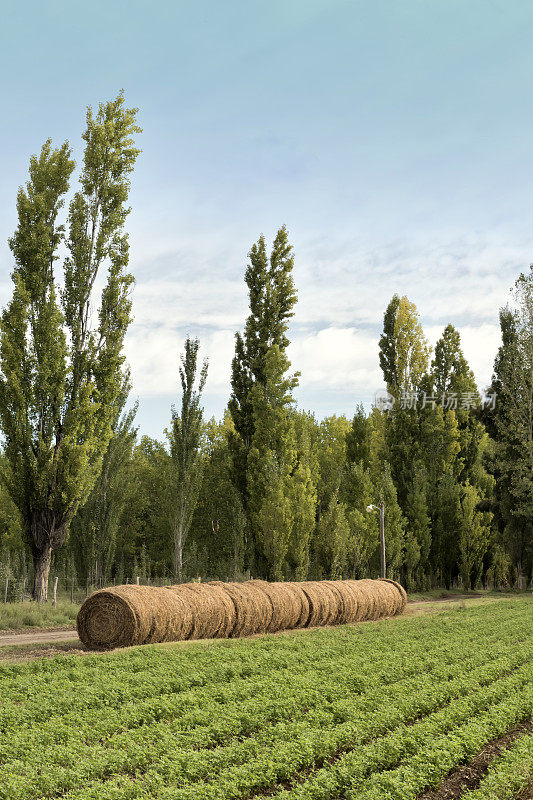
x,y
382,538
381,509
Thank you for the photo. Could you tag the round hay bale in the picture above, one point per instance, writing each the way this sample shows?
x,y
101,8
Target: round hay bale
x,y
399,601
348,610
342,611
277,598
383,600
303,603
130,615
211,609
252,605
362,598
323,604
296,606
264,610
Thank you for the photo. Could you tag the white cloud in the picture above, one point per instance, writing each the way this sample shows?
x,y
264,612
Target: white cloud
x,y
343,288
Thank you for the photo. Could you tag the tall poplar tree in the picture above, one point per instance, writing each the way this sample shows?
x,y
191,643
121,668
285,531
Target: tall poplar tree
x,y
260,400
511,424
62,369
186,457
403,348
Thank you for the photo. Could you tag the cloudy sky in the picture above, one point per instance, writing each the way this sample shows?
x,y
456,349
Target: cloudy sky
x,y
392,138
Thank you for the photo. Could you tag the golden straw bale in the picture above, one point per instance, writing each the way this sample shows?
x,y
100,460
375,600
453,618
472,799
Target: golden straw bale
x,y
384,598
210,613
400,602
361,599
278,602
341,614
264,611
130,615
253,607
323,604
348,610
295,606
127,615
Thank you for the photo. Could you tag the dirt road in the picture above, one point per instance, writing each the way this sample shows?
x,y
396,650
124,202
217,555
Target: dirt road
x,y
38,637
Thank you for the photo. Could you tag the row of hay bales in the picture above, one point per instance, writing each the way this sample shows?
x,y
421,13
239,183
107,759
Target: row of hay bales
x,y
130,615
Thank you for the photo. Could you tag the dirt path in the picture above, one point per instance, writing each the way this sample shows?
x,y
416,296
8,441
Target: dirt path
x,y
38,637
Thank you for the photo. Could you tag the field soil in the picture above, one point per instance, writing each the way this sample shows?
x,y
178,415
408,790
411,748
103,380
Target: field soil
x,y
469,776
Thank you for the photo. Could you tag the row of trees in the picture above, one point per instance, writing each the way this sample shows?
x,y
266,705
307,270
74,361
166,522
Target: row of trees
x,y
269,490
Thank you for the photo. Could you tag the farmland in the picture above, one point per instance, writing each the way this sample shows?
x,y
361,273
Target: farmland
x,y
374,711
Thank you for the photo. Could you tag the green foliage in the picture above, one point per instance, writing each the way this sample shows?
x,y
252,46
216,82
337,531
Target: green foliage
x,y
146,519
394,524
511,424
404,351
219,522
358,438
60,376
332,539
17,616
474,537
186,459
450,372
272,298
315,714
94,529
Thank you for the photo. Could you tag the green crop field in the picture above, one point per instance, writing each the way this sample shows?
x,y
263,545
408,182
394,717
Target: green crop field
x,y
374,711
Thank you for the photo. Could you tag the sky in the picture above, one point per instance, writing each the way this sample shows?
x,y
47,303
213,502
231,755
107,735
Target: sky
x,y
393,139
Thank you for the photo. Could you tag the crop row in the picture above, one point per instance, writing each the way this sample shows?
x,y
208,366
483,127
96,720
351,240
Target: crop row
x,y
34,702
290,759
509,774
243,713
274,755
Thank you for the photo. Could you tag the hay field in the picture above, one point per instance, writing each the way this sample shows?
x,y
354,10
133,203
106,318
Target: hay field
x,y
375,711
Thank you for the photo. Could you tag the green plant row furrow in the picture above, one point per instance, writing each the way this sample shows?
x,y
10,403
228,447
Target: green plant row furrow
x,y
205,726
66,700
132,755
350,771
275,763
16,715
508,774
432,762
133,672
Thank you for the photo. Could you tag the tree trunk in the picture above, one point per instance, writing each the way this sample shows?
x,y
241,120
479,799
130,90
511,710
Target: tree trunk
x,y
519,575
178,553
41,570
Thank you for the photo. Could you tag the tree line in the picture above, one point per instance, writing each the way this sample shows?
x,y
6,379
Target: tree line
x,y
269,490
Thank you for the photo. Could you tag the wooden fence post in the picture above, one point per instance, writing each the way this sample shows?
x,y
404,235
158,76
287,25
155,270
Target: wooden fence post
x,y
137,580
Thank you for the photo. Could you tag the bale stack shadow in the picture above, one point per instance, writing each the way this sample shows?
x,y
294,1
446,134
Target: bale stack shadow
x,y
123,616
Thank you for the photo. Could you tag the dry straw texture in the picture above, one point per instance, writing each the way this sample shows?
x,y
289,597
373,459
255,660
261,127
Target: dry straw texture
x,y
129,615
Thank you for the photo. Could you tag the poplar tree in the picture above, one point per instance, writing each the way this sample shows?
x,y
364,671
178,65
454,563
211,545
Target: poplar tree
x,y
272,297
511,424
449,368
263,447
403,348
474,537
94,529
62,369
186,457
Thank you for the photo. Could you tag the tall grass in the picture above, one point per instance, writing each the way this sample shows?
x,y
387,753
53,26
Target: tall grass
x,y
15,616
